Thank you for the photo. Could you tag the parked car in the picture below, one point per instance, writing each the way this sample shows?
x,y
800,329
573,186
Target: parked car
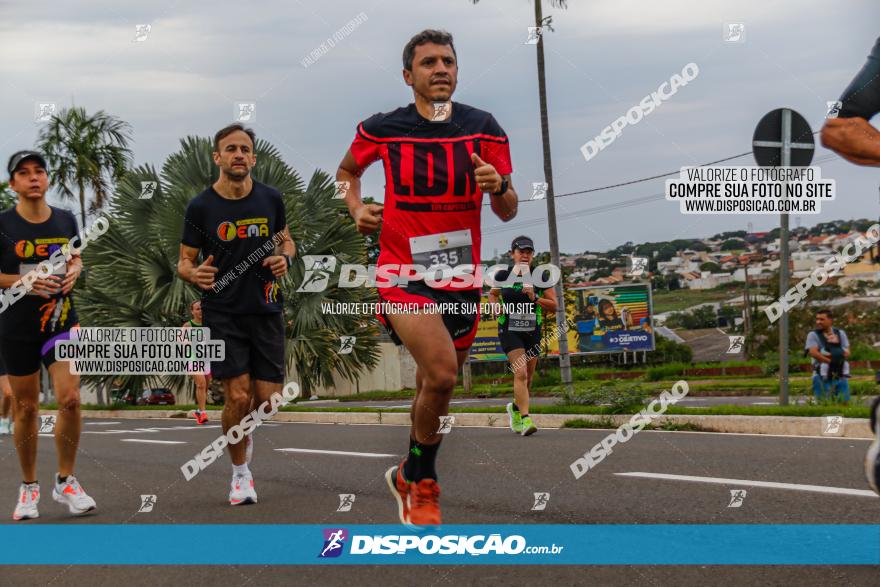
x,y
157,396
122,396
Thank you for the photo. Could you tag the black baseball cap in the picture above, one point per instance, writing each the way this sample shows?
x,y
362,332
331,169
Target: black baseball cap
x,y
22,156
522,242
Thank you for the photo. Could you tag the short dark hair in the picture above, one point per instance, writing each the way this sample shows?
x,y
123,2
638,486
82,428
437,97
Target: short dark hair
x,y
426,36
228,130
825,311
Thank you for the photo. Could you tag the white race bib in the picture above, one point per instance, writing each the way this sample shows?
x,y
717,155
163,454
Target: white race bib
x,y
444,248
522,322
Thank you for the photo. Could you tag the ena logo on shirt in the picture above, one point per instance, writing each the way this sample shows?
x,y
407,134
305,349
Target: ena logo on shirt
x,y
41,247
247,228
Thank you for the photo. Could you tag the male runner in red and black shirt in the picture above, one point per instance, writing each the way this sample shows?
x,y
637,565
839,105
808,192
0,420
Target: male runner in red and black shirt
x,y
439,157
851,136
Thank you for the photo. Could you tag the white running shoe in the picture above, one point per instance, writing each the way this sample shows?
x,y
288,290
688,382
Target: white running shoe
x,y
242,490
71,494
5,427
28,499
249,448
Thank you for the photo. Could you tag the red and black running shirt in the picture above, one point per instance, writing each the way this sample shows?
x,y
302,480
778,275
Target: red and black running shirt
x,y
429,176
862,97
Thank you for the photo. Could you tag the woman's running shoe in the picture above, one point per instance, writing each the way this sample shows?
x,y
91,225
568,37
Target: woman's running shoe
x,y
28,500
515,418
71,494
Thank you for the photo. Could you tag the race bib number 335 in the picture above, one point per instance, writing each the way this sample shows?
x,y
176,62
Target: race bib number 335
x,y
449,248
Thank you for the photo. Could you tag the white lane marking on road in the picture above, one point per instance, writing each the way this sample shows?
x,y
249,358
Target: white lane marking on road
x,y
680,432
338,452
145,441
748,483
100,423
137,430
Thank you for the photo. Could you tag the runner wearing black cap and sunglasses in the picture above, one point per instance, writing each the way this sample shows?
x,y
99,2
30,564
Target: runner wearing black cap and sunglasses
x,y
520,316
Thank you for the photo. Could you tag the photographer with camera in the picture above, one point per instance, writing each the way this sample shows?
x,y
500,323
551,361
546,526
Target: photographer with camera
x,y
829,349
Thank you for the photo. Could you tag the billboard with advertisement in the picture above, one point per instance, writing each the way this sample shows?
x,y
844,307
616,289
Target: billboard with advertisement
x,y
605,319
612,319
486,345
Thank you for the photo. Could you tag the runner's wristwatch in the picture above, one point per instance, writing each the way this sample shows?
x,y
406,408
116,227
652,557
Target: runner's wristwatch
x,y
503,189
289,260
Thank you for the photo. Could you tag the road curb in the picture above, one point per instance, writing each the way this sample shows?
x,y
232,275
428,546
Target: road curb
x,y
776,425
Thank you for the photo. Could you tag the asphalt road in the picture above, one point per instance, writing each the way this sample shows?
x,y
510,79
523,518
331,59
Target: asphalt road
x,y
487,476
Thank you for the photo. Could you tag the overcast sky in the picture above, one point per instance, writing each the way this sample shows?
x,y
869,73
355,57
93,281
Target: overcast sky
x,y
604,56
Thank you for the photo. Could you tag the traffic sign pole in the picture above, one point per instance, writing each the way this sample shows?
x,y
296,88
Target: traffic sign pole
x,y
784,254
773,147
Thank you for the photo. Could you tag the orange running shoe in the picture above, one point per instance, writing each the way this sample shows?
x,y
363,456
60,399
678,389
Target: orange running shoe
x,y
400,489
424,505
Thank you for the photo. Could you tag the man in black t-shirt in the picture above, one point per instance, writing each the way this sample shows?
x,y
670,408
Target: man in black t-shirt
x,y
238,225
851,136
37,310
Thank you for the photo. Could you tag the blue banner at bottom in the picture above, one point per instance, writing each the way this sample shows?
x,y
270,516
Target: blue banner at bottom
x,y
660,544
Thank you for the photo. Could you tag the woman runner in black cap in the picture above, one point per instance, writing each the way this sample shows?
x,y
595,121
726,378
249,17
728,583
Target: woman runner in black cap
x,y
520,315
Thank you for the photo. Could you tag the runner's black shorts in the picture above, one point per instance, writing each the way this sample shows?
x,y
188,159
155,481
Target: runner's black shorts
x,y
461,324
23,357
527,341
254,344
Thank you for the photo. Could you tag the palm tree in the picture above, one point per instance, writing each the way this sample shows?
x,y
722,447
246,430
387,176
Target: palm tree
x,y
131,277
8,198
86,152
546,24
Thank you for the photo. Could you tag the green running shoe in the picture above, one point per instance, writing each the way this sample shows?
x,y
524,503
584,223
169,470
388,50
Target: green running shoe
x,y
515,419
527,426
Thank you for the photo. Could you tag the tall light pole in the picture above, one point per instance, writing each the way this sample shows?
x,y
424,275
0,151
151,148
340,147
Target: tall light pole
x,y
561,319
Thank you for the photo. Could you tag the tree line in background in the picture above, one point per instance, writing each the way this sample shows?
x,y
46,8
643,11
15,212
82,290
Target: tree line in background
x,y
730,241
